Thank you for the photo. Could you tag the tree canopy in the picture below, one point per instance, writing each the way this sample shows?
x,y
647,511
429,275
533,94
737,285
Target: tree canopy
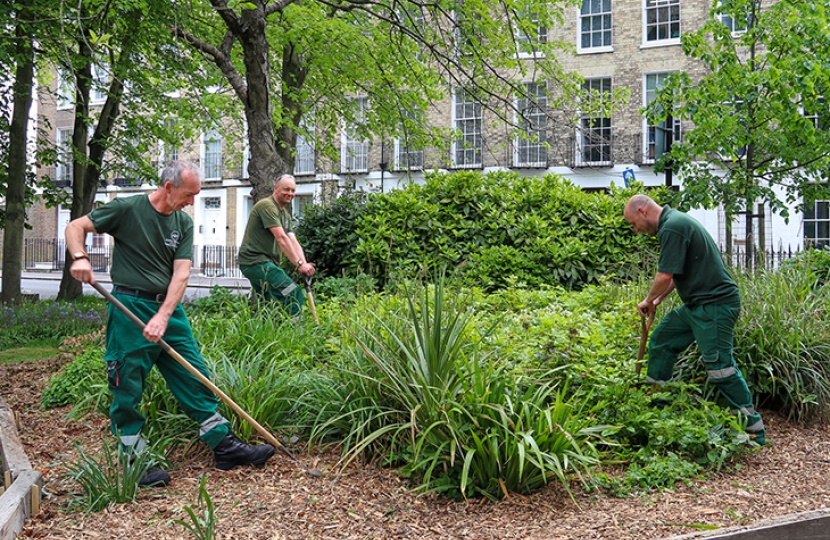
x,y
288,60
761,122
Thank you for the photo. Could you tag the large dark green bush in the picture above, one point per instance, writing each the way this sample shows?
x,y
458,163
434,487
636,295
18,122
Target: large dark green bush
x,y
328,233
538,230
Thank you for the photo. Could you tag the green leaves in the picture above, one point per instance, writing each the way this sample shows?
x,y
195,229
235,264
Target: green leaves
x,y
759,113
203,518
422,392
539,230
109,478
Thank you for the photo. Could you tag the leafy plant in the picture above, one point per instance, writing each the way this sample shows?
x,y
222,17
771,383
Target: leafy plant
x,y
540,230
420,391
203,518
328,233
814,262
75,381
111,477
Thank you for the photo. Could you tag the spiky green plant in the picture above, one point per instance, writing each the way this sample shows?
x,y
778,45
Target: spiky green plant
x,y
204,517
111,477
416,388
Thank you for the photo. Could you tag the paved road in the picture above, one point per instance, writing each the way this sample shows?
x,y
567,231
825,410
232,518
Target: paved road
x,y
46,284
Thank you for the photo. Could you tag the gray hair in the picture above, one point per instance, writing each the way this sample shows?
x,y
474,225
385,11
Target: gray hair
x,y
283,177
173,172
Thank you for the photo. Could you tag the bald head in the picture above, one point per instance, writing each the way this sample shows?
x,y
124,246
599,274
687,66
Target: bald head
x,y
284,189
643,213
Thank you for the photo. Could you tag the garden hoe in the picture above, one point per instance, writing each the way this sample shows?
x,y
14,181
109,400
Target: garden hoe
x,y
311,305
645,326
207,382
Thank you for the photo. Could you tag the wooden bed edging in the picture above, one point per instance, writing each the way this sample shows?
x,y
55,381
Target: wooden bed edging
x,y
812,525
21,498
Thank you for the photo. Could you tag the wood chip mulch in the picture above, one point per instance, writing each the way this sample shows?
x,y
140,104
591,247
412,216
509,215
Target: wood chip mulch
x,y
278,502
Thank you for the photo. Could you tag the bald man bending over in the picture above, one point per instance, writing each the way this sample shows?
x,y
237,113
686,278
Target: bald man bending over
x,y
691,263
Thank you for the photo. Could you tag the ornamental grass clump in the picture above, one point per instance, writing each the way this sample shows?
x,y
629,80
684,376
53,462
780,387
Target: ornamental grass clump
x,y
260,358
109,478
783,341
416,389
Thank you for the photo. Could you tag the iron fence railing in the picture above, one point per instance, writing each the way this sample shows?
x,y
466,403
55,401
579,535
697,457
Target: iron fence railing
x,y
217,261
222,261
744,260
50,254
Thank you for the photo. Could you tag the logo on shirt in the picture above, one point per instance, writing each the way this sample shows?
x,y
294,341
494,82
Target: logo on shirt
x,y
174,240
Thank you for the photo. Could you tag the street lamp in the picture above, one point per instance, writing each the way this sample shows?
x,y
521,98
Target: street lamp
x,y
384,164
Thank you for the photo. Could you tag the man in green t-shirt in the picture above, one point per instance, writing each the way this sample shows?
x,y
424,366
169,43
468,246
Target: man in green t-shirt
x,y
269,236
691,263
150,267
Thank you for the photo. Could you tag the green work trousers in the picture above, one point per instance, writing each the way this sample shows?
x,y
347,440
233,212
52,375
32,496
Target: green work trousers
x,y
130,357
272,283
713,327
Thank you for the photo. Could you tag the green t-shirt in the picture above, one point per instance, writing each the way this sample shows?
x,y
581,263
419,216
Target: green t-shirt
x,y
146,242
688,251
258,244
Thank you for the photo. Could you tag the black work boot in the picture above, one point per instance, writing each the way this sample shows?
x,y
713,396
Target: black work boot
x,y
231,453
155,477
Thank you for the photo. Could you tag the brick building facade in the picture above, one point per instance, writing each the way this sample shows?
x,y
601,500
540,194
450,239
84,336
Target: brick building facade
x,y
629,44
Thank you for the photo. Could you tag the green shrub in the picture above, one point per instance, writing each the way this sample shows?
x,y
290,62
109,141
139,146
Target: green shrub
x,y
539,230
77,380
814,262
328,233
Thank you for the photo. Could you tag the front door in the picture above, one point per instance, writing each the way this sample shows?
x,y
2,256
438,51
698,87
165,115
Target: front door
x,y
213,237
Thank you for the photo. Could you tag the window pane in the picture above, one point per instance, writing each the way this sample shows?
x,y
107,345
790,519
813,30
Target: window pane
x,y
822,208
810,230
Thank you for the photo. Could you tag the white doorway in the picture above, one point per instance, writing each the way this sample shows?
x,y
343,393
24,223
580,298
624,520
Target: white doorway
x,y
212,234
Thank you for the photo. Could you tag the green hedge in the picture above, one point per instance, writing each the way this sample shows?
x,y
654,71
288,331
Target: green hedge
x,y
494,226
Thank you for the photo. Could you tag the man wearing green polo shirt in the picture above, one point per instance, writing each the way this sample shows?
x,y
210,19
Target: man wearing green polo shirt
x,y
150,267
269,236
691,263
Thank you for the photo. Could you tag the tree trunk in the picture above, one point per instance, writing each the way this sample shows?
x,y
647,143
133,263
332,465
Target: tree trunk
x,y
71,288
83,194
294,73
265,165
15,194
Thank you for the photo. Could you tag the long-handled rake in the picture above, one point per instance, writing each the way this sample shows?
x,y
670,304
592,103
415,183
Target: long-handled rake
x,y
207,382
645,326
311,305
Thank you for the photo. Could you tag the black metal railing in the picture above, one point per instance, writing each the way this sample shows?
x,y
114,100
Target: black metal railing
x,y
217,261
744,260
50,254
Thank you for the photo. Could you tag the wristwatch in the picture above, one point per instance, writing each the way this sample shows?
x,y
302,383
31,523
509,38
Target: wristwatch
x,y
79,255
300,263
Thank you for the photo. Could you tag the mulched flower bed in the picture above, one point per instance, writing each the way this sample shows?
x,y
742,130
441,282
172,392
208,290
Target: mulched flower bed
x,y
279,502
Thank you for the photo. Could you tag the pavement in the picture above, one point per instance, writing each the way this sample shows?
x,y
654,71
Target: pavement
x,y
45,283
